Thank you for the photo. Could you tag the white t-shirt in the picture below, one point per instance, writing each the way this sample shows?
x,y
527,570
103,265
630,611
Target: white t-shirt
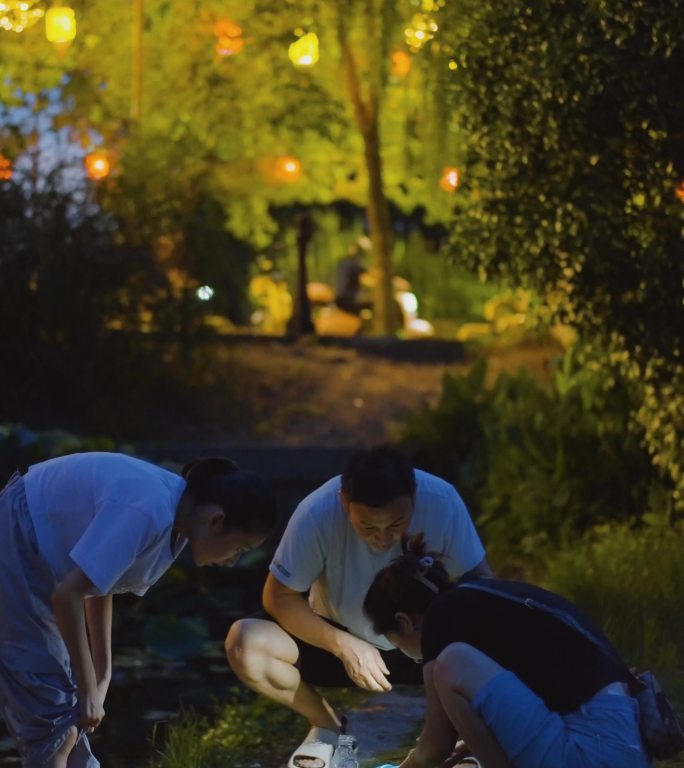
x,y
319,549
110,515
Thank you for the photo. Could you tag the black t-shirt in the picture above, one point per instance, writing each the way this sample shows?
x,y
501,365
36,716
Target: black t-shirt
x,y
554,660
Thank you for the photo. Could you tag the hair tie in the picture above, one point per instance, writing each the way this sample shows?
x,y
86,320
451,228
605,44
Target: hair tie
x,y
425,564
426,582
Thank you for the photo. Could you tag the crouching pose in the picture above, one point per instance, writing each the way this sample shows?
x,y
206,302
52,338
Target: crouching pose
x,y
338,538
75,530
519,685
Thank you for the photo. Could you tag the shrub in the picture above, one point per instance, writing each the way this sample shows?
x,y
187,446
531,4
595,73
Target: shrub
x,y
537,465
629,581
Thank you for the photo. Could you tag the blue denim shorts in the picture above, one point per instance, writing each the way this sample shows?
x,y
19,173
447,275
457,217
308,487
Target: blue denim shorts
x,y
602,733
38,699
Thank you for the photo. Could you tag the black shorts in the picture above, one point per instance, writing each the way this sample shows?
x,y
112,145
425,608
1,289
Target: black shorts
x,y
324,669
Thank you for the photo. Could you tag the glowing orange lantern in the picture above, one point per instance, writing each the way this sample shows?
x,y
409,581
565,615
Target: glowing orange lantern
x,y
60,25
288,168
5,168
97,165
680,191
230,40
450,180
401,63
304,52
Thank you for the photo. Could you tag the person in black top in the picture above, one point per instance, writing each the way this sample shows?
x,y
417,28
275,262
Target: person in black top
x,y
348,292
520,686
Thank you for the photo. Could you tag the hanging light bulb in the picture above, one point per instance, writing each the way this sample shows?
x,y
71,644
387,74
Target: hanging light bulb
x,y
401,63
450,180
97,165
60,24
6,170
288,168
229,38
304,52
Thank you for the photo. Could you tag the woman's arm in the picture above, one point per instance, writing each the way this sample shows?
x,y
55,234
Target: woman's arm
x,y
438,737
98,614
67,600
290,609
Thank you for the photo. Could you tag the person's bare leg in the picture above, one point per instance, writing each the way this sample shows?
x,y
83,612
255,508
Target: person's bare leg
x,y
459,673
263,656
59,759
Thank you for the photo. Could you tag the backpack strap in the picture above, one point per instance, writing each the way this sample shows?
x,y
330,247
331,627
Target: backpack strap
x,y
558,613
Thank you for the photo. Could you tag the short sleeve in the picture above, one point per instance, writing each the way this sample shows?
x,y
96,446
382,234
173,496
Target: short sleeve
x,y
444,518
301,554
464,550
111,543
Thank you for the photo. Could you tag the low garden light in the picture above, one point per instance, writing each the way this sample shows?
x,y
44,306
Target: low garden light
x,y
97,165
229,39
288,168
450,180
60,24
6,170
304,52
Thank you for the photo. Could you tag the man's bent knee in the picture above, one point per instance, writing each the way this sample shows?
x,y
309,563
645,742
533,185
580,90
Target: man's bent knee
x,y
252,643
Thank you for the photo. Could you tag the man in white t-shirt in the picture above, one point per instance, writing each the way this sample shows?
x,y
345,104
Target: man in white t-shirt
x,y
338,538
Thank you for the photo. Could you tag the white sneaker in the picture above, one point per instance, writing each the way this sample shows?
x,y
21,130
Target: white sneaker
x,y
316,750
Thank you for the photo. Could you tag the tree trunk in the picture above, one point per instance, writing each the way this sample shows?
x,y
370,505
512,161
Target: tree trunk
x,y
381,235
300,322
367,114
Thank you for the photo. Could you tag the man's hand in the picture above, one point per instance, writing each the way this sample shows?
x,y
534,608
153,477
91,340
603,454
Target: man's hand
x,y
364,664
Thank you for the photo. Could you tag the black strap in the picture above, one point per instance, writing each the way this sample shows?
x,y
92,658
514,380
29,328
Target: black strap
x,y
558,613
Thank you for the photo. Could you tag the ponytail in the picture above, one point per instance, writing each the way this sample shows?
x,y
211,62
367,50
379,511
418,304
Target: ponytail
x,y
407,585
247,499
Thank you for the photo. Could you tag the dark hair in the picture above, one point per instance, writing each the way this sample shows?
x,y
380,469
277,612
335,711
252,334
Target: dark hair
x,y
401,586
246,498
378,475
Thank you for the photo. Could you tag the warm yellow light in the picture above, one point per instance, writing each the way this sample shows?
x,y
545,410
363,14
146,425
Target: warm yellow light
x,y
97,165
230,40
680,191
304,52
420,30
450,180
401,63
5,168
60,25
288,168
18,15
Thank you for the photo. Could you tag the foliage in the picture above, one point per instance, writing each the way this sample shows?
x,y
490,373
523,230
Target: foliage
x,y
575,151
628,580
540,465
183,746
574,156
372,140
20,447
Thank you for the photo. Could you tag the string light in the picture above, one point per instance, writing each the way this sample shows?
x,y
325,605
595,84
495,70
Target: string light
x,y
18,15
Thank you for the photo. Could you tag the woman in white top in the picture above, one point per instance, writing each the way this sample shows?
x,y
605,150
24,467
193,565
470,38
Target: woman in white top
x,y
74,531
